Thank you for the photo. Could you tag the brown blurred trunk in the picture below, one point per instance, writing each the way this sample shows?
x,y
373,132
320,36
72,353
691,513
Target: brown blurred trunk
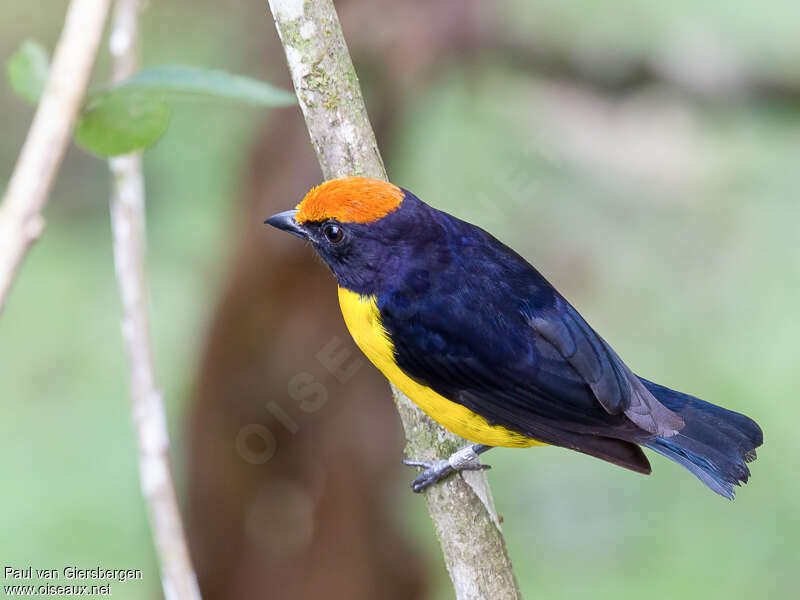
x,y
314,520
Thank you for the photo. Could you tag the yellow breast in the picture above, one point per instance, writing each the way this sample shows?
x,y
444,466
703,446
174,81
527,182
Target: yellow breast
x,y
363,320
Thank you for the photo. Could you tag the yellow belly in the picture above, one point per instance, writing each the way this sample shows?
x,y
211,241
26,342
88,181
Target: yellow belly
x,y
362,318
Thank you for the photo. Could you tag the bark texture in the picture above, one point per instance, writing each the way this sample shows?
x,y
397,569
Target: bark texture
x,y
330,98
21,220
129,241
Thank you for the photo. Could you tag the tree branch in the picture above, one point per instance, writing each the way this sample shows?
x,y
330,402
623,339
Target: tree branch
x,y
327,88
21,220
128,228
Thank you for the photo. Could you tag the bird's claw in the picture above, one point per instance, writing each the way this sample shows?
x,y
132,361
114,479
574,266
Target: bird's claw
x,y
435,471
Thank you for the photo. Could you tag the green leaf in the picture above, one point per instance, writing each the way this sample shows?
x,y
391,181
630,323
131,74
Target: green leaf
x,y
133,114
114,123
27,70
179,80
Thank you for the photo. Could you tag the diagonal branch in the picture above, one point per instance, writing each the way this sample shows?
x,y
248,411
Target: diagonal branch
x,y
128,228
21,220
330,98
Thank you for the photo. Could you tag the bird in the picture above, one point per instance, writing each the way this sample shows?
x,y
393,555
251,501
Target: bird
x,y
480,341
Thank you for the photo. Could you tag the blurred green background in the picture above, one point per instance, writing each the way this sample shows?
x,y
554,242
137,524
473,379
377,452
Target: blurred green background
x,y
647,165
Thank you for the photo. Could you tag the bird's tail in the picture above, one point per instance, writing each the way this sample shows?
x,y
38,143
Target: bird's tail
x,y
715,444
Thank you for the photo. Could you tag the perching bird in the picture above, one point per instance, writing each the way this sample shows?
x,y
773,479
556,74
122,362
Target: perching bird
x,y
486,346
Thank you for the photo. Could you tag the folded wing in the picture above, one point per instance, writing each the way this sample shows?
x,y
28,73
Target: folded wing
x,y
613,384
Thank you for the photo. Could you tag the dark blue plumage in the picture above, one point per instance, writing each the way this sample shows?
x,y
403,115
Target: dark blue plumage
x,y
471,319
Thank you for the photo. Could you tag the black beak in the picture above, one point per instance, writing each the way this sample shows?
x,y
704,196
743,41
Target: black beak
x,y
285,220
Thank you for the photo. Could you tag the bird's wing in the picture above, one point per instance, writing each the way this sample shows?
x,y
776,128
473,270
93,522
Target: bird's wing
x,y
536,393
521,362
613,384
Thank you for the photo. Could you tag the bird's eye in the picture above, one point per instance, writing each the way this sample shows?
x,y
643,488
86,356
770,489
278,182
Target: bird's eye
x,y
333,232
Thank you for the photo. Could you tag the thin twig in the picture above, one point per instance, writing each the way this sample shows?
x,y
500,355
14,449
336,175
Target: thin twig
x,y
330,98
128,228
21,221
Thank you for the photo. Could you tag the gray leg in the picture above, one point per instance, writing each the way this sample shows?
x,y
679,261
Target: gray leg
x,y
465,459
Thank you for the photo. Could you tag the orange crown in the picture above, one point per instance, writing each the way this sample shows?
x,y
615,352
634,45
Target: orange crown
x,y
350,200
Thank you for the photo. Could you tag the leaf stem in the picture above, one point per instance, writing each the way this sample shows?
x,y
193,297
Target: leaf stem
x,y
128,230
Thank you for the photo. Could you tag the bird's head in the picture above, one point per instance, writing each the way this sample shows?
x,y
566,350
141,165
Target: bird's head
x,y
362,228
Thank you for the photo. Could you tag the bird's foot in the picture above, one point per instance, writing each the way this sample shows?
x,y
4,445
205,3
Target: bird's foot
x,y
465,459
